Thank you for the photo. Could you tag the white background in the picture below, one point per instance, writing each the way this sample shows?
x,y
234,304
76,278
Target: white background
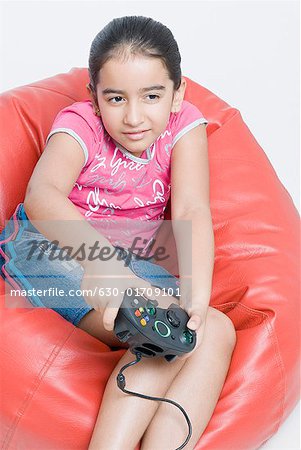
x,y
246,52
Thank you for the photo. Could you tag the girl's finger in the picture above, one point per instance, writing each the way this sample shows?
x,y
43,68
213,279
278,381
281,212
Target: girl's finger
x,y
194,322
109,316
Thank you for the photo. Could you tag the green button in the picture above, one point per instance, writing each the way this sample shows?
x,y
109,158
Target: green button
x,y
151,310
188,336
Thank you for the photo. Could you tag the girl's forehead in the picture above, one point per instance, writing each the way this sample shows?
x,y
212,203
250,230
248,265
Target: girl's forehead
x,y
135,61
137,72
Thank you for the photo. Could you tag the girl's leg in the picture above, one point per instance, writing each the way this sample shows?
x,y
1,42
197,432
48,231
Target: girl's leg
x,y
194,383
196,388
92,323
123,418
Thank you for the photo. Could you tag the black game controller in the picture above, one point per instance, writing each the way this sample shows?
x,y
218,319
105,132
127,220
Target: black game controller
x,y
153,331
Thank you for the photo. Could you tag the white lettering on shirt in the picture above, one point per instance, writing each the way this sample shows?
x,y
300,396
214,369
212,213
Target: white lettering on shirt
x,y
94,203
131,165
158,190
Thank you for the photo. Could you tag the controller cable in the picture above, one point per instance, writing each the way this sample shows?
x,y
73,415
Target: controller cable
x,y
121,385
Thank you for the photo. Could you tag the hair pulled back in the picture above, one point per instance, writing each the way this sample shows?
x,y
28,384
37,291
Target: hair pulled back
x,y
128,36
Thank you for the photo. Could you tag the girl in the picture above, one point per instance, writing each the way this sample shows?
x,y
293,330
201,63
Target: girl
x,y
119,156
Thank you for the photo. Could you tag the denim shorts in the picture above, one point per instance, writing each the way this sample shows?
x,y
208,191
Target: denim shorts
x,y
59,280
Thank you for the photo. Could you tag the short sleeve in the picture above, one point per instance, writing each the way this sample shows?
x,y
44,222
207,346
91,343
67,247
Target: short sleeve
x,y
187,118
71,121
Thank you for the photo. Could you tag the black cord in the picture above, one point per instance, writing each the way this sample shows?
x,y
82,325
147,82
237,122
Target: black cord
x,y
121,385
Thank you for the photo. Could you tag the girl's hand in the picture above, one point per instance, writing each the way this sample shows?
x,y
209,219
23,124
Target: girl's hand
x,y
104,284
197,323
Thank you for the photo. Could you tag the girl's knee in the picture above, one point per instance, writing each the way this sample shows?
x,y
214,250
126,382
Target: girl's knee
x,y
222,326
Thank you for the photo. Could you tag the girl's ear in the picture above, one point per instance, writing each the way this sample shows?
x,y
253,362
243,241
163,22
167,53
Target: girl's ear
x,y
179,96
93,99
90,90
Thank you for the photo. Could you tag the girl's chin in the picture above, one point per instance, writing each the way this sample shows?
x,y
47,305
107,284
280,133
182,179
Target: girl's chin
x,y
135,147
136,153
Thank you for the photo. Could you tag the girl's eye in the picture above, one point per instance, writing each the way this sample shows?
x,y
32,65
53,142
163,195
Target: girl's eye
x,y
114,99
154,97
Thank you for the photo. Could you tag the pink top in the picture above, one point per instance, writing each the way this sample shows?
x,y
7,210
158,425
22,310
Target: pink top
x,y
128,193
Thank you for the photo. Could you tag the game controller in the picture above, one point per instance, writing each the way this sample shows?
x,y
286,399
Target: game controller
x,y
153,331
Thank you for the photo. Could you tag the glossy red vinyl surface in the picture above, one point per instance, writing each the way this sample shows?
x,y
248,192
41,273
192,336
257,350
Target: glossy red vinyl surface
x,y
53,374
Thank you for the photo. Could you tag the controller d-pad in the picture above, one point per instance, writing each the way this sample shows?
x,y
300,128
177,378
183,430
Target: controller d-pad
x,y
172,318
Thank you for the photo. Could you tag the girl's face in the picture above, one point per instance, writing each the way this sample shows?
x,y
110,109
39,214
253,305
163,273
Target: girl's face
x,y
136,95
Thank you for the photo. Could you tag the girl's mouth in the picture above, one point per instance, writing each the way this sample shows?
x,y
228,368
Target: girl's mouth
x,y
136,136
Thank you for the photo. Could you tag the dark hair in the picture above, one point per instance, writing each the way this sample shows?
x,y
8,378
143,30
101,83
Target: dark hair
x,y
135,35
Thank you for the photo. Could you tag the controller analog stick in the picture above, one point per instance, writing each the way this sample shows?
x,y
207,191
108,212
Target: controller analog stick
x,y
151,307
173,318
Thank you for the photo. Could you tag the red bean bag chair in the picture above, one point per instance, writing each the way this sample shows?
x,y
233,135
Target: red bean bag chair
x,y
53,374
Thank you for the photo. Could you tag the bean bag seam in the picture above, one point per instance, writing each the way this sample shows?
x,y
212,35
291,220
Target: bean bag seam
x,y
236,113
277,355
253,311
51,358
280,365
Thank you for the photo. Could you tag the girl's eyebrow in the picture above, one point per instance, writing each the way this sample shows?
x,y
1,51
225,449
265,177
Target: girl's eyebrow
x,y
157,87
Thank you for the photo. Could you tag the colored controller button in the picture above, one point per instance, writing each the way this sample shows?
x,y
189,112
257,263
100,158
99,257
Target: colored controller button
x,y
141,309
151,307
135,302
151,310
137,313
143,322
188,337
162,328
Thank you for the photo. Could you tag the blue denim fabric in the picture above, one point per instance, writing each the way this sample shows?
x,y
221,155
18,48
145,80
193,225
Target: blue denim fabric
x,y
64,275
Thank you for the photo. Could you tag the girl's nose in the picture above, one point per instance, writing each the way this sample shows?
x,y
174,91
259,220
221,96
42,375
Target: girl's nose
x,y
133,115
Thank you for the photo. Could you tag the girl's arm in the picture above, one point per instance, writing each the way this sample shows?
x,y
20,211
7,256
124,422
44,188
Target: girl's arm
x,y
57,218
46,201
190,202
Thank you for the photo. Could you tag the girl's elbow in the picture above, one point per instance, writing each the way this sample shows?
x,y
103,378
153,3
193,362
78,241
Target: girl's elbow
x,y
34,196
